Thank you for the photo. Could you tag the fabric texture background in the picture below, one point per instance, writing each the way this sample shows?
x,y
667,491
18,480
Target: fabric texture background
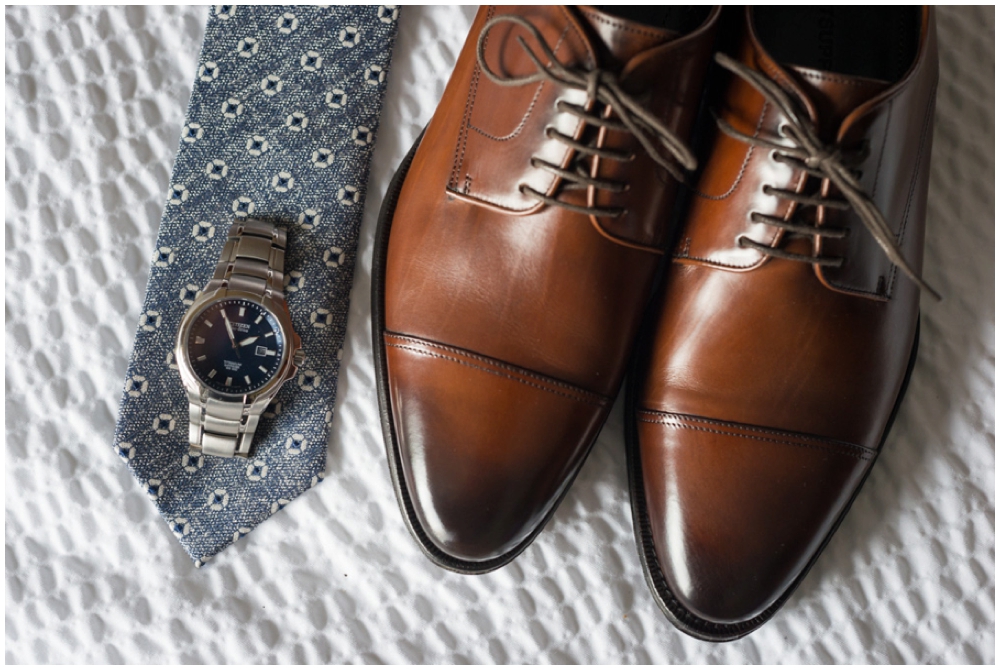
x,y
95,103
281,127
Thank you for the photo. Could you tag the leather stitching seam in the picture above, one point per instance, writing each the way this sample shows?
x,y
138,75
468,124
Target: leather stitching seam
x,y
534,100
732,189
621,26
493,372
857,451
580,394
470,104
470,100
743,168
881,153
925,132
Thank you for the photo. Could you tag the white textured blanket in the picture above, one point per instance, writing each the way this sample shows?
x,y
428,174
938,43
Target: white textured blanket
x,y
94,102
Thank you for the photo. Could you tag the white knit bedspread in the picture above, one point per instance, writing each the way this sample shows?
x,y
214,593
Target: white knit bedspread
x,y
95,99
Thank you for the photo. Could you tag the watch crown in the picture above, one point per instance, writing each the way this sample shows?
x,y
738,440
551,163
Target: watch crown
x,y
299,357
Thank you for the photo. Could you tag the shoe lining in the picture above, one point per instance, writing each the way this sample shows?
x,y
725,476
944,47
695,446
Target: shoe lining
x,y
874,42
681,18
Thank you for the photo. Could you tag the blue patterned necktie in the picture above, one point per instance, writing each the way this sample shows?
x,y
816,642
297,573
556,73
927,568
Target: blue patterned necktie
x,y
280,126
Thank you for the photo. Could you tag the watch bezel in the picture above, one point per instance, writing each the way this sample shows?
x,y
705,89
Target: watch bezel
x,y
276,307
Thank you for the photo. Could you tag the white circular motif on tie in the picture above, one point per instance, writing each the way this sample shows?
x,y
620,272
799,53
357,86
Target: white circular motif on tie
x,y
311,61
317,479
136,386
164,257
349,36
189,294
203,231
283,182
374,75
154,489
348,195
164,424
243,206
322,158
248,46
321,318
257,145
388,13
336,99
309,219
333,257
217,169
340,354
257,470
294,281
218,499
169,361
296,121
271,84
296,444
279,504
178,194
225,12
180,527
232,108
192,132
208,71
308,380
150,320
126,451
240,533
362,136
192,461
287,23
273,410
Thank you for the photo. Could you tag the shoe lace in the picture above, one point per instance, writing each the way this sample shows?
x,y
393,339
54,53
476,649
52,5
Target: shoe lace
x,y
602,87
808,153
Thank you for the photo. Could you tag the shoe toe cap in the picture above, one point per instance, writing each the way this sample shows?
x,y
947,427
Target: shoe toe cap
x,y
736,513
486,449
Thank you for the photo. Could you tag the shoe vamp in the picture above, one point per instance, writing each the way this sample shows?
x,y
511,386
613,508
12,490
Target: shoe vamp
x,y
545,292
775,348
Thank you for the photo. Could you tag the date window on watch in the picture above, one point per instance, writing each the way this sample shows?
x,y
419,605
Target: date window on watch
x,y
264,351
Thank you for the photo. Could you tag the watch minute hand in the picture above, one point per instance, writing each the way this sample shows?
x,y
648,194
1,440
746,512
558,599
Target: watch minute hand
x,y
248,340
229,329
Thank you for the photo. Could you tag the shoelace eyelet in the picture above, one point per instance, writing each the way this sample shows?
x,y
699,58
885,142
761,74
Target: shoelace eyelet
x,y
607,106
820,161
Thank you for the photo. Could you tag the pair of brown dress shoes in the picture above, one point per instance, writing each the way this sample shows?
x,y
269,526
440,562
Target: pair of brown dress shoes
x,y
553,227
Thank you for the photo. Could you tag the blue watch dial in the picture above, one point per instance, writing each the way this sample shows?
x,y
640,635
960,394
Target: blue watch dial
x,y
235,346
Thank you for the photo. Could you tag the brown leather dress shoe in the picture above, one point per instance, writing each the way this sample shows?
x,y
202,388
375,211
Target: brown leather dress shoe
x,y
515,256
786,329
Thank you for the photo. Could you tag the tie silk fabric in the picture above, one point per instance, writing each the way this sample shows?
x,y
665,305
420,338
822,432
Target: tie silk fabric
x,y
280,126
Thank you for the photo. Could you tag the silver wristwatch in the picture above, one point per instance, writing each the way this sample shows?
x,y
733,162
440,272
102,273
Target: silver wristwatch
x,y
236,345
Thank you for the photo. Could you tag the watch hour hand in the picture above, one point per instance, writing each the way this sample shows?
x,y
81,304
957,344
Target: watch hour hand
x,y
248,340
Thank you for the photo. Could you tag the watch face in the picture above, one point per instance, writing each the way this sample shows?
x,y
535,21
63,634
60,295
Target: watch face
x,y
235,346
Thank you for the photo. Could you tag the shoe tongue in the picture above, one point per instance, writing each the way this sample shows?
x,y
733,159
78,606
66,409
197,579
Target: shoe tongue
x,y
620,40
834,95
